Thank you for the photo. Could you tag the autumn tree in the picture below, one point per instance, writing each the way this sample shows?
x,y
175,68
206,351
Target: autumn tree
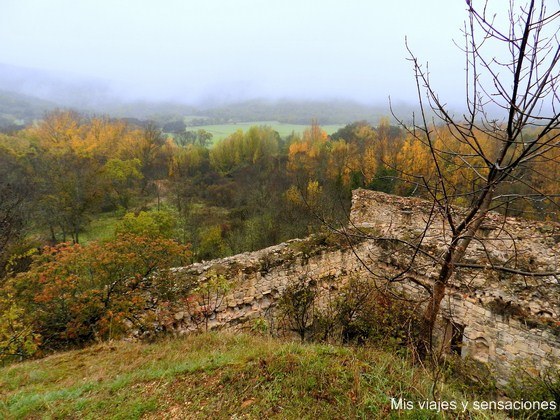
x,y
308,156
81,165
74,294
512,120
153,150
373,151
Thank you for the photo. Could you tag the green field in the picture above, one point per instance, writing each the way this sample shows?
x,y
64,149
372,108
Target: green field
x,y
221,131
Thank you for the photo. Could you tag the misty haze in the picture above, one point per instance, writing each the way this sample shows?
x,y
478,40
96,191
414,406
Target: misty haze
x,y
96,55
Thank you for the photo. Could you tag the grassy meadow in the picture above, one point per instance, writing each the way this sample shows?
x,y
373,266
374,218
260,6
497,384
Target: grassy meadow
x,y
221,131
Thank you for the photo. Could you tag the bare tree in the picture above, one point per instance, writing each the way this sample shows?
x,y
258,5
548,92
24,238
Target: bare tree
x,y
512,120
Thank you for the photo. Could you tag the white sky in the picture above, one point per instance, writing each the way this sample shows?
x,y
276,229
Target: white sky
x,y
191,50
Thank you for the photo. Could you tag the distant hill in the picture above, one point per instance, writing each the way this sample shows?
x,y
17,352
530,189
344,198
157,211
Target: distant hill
x,y
288,111
25,94
64,89
297,112
20,109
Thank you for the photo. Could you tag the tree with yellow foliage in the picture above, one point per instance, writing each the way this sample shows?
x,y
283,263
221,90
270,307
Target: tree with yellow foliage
x,y
79,162
308,156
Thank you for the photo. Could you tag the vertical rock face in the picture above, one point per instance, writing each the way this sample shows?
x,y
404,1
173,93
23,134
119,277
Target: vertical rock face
x,y
497,317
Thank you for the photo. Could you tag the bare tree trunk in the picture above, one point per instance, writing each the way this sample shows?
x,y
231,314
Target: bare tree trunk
x,y
455,253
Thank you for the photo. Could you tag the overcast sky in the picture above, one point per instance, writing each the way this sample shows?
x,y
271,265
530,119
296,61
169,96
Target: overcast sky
x,y
228,49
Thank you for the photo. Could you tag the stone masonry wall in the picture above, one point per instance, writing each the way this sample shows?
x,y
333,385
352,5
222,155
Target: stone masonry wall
x,y
259,278
505,317
502,318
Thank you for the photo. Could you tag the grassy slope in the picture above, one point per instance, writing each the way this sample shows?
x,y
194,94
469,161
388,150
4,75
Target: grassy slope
x,y
213,376
102,227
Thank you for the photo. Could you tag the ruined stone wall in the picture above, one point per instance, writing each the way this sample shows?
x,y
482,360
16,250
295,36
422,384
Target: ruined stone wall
x,y
259,278
502,318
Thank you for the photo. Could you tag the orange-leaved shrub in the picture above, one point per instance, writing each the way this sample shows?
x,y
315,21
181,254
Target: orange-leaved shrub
x,y
74,294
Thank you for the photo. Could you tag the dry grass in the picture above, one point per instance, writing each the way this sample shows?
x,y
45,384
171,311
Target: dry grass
x,y
213,376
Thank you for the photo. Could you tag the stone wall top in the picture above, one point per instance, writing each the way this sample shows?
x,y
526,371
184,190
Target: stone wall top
x,y
525,244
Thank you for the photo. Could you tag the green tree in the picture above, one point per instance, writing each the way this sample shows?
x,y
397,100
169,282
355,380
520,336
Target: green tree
x,y
257,147
155,223
123,177
212,243
68,164
17,340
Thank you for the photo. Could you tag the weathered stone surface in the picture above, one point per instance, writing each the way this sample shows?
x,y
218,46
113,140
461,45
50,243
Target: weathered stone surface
x,y
506,317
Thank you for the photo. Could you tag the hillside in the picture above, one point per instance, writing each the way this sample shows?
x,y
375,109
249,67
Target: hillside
x,y
299,111
19,109
27,93
214,376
